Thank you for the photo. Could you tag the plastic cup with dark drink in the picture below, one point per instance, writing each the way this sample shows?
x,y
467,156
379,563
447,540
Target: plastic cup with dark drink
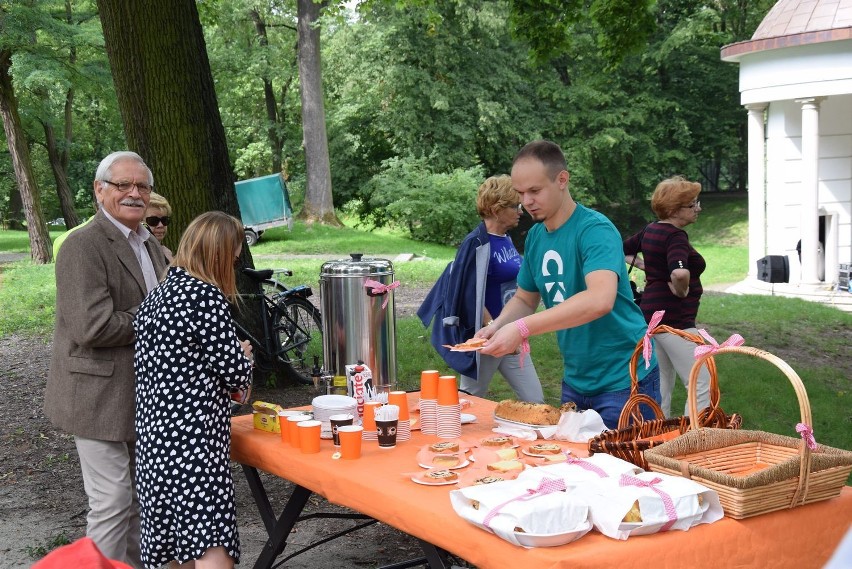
x,y
337,421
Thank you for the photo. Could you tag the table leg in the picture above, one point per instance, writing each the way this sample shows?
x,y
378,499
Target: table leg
x,y
434,556
279,529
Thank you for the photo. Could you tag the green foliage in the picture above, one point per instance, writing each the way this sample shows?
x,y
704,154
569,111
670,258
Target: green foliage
x,y
432,207
28,298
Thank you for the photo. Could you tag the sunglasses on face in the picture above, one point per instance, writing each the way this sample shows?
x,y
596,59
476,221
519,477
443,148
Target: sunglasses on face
x,y
154,221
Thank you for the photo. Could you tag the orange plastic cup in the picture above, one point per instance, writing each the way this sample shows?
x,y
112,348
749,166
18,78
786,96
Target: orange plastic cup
x,y
293,434
350,441
429,384
285,430
400,399
370,415
448,390
309,436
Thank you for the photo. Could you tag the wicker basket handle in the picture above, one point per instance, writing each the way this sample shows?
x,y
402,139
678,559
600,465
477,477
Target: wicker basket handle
x,y
798,387
631,408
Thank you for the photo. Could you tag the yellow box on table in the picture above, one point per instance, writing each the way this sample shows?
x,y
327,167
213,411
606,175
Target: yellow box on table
x,y
266,416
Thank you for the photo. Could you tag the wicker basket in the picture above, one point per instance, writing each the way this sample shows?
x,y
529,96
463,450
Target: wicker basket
x,y
754,472
630,441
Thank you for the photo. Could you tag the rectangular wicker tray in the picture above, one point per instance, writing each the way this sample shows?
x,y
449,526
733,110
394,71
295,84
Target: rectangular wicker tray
x,y
755,472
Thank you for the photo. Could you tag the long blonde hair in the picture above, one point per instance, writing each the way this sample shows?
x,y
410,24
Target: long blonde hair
x,y
208,250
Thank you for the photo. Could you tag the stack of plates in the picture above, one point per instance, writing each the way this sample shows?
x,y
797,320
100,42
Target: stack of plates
x,y
327,405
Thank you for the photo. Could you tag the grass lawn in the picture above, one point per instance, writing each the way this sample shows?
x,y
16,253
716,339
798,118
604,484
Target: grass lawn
x,y
813,339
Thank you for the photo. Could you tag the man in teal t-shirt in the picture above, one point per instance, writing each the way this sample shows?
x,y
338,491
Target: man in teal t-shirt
x,y
574,263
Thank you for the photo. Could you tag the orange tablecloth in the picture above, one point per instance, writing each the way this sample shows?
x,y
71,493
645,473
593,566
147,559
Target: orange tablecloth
x,y
373,485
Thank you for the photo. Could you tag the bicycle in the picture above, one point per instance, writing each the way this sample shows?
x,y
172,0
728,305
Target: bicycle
x,y
291,325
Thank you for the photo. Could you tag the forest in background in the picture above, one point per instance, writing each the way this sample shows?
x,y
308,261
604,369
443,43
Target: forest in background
x,y
422,98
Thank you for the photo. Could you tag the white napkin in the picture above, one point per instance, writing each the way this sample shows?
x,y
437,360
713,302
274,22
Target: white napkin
x,y
610,501
517,432
579,426
555,513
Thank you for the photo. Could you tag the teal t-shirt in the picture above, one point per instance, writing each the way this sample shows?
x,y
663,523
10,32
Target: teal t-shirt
x,y
595,355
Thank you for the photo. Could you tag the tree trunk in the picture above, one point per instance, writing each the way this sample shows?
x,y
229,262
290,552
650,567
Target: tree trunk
x,y
63,190
168,104
276,143
318,204
171,117
41,249
16,210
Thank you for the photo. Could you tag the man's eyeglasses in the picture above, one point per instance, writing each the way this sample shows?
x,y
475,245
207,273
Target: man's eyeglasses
x,y
154,221
125,187
693,205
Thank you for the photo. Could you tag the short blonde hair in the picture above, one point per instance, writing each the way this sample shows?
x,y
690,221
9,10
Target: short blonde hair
x,y
208,250
495,193
160,202
672,194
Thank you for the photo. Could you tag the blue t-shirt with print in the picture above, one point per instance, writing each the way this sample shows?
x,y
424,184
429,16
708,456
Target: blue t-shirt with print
x,y
595,355
503,267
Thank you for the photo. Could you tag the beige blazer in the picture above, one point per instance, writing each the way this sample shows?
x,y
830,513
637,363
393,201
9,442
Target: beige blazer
x,y
99,286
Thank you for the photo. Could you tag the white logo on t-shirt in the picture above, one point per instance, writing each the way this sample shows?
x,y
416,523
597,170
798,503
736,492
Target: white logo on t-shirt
x,y
552,265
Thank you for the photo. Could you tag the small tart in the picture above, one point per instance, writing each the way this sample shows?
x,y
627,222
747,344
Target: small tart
x,y
445,446
544,448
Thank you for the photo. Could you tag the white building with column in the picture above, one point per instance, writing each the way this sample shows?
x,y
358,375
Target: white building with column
x,y
796,84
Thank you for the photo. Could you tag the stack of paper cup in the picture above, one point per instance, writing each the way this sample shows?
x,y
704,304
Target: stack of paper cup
x,y
370,433
429,402
449,412
400,399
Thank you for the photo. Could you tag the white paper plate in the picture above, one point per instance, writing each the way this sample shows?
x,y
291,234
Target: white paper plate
x,y
459,465
509,423
543,455
334,402
424,483
467,418
555,539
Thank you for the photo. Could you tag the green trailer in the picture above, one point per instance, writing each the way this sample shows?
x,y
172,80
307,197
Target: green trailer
x,y
264,203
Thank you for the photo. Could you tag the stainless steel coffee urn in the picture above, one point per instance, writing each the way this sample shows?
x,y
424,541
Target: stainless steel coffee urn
x,y
358,320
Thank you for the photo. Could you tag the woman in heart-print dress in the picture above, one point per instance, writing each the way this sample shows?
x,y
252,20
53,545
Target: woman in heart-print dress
x,y
188,360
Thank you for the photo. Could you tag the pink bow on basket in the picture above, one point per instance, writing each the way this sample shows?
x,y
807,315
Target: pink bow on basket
x,y
546,486
807,433
646,341
713,346
379,288
668,504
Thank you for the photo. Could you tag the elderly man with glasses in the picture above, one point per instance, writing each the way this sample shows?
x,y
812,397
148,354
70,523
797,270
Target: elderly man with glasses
x,y
105,271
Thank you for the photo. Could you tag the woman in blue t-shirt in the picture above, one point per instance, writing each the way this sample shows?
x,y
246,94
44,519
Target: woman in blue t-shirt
x,y
473,290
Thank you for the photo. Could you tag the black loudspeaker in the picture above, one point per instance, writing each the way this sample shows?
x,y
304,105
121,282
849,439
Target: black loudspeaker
x,y
774,269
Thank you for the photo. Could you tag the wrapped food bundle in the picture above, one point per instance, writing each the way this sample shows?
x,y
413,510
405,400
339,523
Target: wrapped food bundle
x,y
576,471
538,514
648,502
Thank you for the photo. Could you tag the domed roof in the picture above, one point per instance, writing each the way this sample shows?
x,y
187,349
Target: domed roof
x,y
796,16
797,22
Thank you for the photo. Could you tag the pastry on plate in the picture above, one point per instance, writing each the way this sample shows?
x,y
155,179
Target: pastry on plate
x,y
525,412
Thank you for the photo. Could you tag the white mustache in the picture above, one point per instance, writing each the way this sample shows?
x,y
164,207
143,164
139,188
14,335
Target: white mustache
x,y
133,202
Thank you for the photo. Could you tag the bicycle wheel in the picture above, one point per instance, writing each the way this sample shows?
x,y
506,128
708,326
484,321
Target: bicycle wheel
x,y
299,332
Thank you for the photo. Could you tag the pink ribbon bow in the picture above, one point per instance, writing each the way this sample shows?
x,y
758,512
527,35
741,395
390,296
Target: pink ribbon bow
x,y
586,465
379,288
668,504
546,486
713,347
525,343
646,341
807,433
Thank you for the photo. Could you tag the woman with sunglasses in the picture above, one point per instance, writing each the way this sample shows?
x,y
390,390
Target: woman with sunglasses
x,y
157,218
672,282
474,288
188,360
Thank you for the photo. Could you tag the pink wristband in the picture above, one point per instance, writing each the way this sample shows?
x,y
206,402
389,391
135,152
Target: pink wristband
x,y
525,333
